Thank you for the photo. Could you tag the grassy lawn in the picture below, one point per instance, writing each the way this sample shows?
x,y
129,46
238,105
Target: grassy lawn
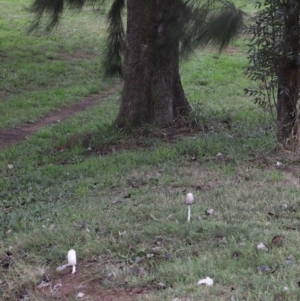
x,y
119,201
40,73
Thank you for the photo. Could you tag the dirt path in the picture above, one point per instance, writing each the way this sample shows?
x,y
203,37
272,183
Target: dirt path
x,y
10,136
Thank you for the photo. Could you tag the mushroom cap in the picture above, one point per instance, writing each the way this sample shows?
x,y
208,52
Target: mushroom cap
x,y
72,257
189,199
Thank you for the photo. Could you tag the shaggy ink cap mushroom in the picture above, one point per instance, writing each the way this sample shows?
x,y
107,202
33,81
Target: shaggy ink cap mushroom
x,y
72,260
189,200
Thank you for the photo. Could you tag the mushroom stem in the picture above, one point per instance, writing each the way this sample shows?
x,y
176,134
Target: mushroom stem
x,y
189,213
74,269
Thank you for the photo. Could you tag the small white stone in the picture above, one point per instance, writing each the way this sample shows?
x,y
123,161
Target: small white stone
x,y
208,281
262,247
161,285
209,211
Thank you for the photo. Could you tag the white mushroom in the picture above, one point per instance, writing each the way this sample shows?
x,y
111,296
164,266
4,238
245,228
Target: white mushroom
x,y
72,260
189,200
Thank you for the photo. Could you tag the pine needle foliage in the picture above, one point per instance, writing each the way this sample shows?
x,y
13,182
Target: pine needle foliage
x,y
52,10
192,23
114,52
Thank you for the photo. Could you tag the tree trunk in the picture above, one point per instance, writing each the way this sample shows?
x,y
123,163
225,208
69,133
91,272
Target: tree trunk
x,y
152,90
288,78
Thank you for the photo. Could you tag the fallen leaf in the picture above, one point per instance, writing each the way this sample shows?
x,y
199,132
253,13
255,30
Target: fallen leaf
x,y
207,281
46,278
159,240
153,217
262,247
81,225
138,271
277,240
138,259
116,202
56,287
156,248
24,295
220,239
235,255
110,276
167,256
290,259
43,284
6,262
264,268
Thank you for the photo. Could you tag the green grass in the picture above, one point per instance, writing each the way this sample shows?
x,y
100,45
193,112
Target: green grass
x,y
40,73
124,203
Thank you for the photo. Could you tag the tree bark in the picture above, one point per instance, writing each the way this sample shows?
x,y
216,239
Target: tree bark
x,y
152,90
288,77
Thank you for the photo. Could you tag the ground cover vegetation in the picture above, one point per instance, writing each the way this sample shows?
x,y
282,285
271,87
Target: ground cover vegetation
x,y
40,73
118,200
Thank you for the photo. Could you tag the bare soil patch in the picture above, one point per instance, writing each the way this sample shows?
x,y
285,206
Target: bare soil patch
x,y
84,285
10,136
